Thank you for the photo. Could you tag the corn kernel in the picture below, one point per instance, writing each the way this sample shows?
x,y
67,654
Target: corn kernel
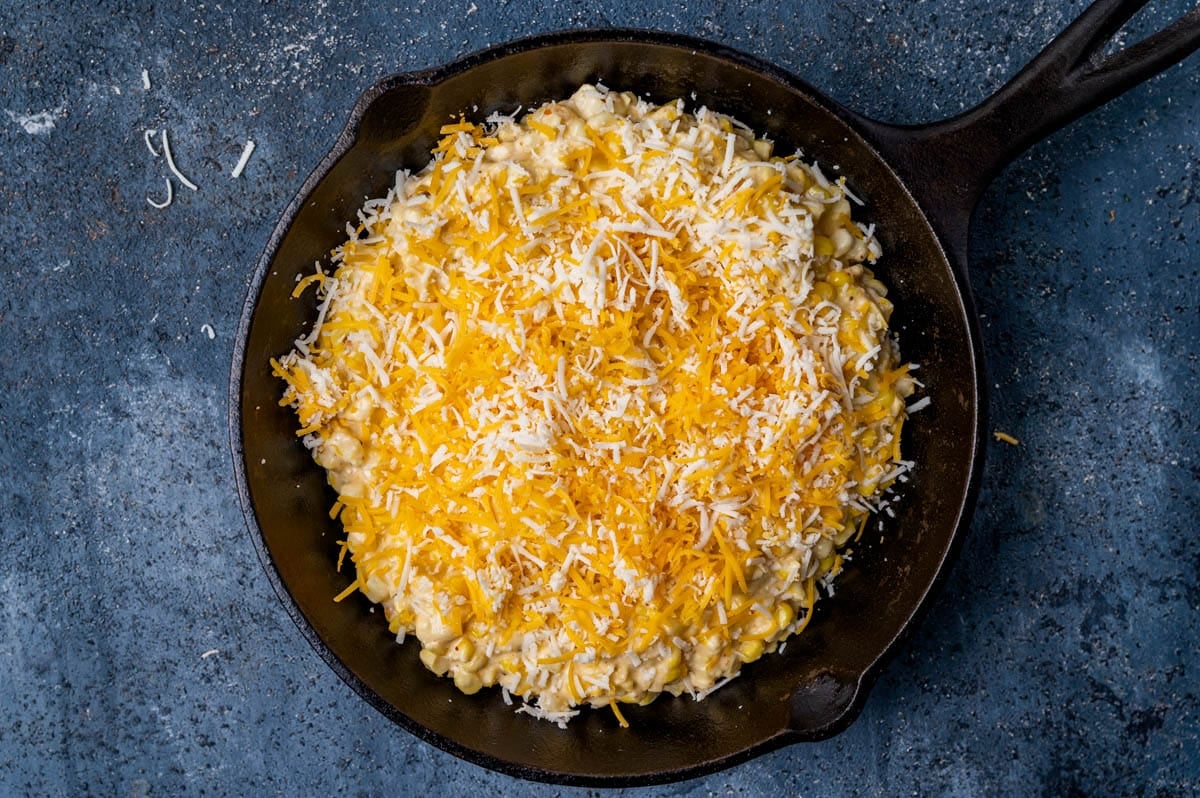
x,y
750,650
670,667
842,241
762,625
435,662
784,615
468,682
462,650
667,113
845,534
601,120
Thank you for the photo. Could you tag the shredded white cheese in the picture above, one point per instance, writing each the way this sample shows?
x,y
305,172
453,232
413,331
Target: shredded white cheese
x,y
166,144
147,137
919,405
167,201
247,151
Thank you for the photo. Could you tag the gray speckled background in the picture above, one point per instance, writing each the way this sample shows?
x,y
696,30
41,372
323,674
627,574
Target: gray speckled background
x,y
142,651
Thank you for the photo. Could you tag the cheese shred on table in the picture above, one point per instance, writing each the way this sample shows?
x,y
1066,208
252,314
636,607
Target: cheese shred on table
x,y
603,391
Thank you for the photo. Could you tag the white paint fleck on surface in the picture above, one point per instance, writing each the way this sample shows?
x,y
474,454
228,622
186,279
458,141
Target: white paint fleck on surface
x,y
40,123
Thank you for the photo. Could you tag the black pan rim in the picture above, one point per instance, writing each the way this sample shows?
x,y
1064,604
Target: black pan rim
x,y
344,142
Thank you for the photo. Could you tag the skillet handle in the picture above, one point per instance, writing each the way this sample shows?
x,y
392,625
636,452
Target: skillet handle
x,y
948,164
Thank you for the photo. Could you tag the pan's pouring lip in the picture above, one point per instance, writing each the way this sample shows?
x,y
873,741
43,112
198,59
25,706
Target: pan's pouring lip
x,y
432,78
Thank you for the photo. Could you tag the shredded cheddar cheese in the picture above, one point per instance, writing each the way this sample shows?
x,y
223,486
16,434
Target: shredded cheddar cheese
x,y
603,392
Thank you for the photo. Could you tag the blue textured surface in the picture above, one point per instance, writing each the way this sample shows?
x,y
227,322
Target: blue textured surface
x,y
142,651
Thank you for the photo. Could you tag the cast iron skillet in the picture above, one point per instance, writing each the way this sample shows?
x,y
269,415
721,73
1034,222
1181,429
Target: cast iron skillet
x,y
920,185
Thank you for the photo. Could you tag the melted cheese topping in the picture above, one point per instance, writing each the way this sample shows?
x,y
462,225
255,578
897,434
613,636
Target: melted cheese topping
x,y
603,391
